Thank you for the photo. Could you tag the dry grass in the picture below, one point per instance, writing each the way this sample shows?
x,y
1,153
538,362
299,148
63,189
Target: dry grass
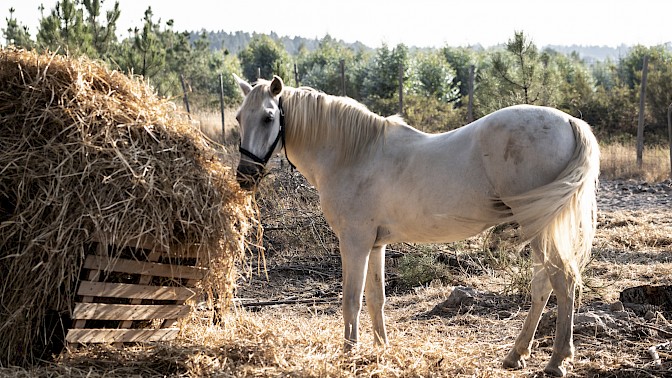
x,y
304,342
631,248
619,161
634,230
210,124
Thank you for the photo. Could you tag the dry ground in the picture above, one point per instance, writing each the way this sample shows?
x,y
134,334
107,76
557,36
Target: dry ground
x,y
287,319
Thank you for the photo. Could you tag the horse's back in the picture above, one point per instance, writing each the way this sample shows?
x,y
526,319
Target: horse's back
x,y
524,147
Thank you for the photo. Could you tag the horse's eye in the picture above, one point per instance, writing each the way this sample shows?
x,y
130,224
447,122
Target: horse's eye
x,y
268,119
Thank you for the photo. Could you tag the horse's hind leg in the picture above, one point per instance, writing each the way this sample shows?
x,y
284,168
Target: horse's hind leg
x,y
541,290
564,285
375,293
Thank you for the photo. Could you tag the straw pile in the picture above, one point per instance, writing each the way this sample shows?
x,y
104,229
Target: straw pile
x,y
87,151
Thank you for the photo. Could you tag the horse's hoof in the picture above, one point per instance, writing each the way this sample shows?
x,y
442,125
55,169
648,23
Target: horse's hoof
x,y
555,371
348,346
513,363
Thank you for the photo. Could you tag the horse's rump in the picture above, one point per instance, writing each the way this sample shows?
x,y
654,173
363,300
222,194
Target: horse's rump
x,y
562,214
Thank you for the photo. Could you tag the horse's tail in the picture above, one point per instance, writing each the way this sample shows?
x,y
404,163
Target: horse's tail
x,y
562,215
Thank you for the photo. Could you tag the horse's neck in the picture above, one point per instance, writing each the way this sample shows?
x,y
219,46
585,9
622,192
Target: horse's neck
x,y
324,131
308,156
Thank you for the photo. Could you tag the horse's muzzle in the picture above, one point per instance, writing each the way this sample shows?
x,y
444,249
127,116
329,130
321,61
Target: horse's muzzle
x,y
248,176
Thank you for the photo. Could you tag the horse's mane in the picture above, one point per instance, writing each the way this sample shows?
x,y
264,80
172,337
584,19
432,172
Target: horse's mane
x,y
316,116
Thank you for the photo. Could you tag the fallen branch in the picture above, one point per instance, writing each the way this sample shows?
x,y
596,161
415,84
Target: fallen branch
x,y
303,269
290,302
658,329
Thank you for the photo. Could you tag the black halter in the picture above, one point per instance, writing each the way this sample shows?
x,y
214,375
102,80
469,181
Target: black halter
x,y
280,137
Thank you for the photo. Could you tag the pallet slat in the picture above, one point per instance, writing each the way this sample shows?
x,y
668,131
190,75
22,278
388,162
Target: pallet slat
x,y
120,290
101,311
97,335
143,267
177,263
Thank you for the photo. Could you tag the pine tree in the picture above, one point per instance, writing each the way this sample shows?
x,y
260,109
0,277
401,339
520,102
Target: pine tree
x,y
433,76
382,73
17,34
264,56
321,68
460,59
64,28
102,34
523,71
144,54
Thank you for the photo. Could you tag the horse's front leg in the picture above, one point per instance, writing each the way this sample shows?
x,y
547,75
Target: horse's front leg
x,y
354,257
375,293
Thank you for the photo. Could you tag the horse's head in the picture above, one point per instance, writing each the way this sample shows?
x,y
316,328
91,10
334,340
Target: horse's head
x,y
261,129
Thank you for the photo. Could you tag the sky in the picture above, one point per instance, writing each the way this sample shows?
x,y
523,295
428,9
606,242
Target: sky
x,y
421,23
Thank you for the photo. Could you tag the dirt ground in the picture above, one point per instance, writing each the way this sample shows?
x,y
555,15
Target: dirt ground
x,y
287,319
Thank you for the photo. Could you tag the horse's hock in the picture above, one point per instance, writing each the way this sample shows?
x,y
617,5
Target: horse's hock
x,y
115,213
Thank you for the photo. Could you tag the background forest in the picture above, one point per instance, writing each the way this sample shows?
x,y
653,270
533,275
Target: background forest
x,y
602,91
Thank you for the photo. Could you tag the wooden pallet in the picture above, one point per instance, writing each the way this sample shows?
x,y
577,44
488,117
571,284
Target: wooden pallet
x,y
133,293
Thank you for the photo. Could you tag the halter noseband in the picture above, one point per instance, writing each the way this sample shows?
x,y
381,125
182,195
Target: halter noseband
x,y
280,137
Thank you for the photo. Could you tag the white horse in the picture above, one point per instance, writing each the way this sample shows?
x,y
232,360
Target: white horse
x,y
381,181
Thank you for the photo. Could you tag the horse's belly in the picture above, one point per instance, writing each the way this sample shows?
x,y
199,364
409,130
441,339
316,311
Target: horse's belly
x,y
443,230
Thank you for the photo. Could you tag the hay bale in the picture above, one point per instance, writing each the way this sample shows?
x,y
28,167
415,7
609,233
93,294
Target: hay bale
x,y
87,151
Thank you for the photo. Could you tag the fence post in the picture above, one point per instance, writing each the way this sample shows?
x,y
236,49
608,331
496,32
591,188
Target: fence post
x,y
669,134
221,106
640,123
401,89
296,75
185,98
342,63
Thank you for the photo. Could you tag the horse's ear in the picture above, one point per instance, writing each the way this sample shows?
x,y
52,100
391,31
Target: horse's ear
x,y
244,85
276,85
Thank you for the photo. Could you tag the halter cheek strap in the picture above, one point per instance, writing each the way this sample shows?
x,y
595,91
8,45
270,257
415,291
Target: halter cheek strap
x,y
278,138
